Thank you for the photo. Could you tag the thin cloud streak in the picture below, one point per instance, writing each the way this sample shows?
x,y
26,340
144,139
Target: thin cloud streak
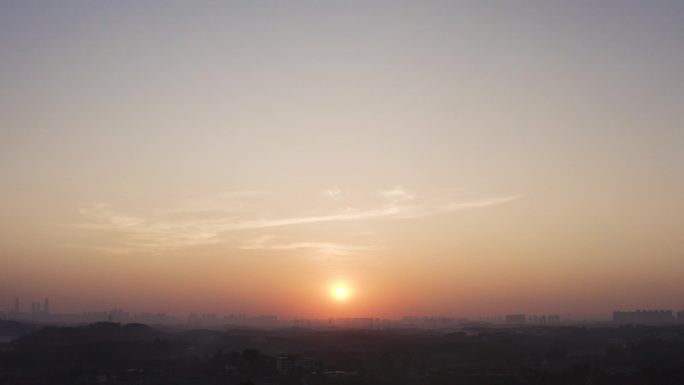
x,y
150,233
454,206
390,212
334,249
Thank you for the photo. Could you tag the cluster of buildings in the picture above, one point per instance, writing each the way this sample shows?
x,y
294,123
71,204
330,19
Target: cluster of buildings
x,y
647,316
40,312
340,322
433,322
519,319
359,323
37,312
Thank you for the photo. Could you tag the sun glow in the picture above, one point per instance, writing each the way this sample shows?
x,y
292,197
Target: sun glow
x,y
340,293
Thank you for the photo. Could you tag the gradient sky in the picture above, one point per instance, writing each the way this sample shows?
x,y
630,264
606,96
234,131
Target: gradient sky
x,y
437,158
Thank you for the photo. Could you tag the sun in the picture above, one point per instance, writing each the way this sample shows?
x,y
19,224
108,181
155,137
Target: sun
x,y
340,293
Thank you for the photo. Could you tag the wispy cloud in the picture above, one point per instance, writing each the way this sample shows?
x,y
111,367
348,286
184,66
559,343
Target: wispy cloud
x,y
101,215
326,248
334,193
455,206
148,233
397,194
187,226
392,211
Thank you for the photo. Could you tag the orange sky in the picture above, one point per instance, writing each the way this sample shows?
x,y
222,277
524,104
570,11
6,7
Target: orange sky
x,y
460,159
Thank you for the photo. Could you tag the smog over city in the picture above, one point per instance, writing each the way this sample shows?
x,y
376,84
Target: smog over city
x,y
378,192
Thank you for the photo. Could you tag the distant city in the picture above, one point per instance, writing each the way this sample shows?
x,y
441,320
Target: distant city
x,y
41,313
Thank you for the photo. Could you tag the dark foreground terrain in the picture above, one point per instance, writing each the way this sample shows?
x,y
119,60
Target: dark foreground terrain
x,y
111,353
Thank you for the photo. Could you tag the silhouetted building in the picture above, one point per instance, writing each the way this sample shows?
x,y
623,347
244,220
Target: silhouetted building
x,y
358,322
16,306
680,316
46,307
543,319
643,316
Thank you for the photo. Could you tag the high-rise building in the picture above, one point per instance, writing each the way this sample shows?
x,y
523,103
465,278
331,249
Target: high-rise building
x,y
46,306
16,305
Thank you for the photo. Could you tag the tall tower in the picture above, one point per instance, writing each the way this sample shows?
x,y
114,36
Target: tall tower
x,y
16,306
46,307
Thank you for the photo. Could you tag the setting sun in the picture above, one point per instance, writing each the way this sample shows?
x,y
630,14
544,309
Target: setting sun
x,y
340,293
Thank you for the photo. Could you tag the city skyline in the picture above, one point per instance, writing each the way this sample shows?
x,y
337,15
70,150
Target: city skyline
x,y
210,318
343,159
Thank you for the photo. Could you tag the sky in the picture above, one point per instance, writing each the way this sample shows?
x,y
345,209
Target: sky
x,y
467,159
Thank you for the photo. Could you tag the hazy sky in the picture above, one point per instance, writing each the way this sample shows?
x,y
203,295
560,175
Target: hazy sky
x,y
435,158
